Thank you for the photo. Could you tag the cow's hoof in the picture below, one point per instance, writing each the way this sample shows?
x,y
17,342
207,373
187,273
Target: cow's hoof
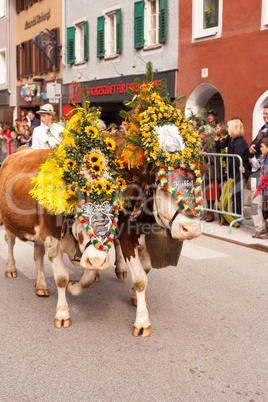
x,y
42,292
142,331
134,301
97,278
121,275
12,274
65,323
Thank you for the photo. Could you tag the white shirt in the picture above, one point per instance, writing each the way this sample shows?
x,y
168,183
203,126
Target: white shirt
x,y
40,136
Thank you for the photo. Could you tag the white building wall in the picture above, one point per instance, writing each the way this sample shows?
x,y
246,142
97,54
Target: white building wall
x,y
130,61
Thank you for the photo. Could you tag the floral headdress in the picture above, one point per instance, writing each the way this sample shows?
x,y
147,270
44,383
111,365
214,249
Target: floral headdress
x,y
84,166
153,116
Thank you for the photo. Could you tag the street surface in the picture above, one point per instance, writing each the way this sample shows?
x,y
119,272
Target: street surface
x,y
209,338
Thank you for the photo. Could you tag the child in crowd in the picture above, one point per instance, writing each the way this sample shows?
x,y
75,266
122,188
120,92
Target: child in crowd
x,y
259,207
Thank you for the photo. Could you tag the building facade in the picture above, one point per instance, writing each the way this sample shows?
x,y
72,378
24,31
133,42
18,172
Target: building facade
x,y
38,52
222,59
7,61
107,45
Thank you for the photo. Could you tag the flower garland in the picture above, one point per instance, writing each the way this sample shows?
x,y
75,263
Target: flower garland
x,y
93,240
139,204
151,113
85,165
191,212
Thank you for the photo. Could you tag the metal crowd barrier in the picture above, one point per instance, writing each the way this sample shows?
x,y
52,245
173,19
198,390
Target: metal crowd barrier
x,y
6,148
214,180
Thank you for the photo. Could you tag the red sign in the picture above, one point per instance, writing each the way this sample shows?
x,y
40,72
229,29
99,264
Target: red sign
x,y
75,93
112,89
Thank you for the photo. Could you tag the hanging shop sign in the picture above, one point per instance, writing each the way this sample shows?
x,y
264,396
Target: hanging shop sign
x,y
28,91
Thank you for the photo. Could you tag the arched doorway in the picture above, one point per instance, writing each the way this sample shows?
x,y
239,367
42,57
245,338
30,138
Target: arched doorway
x,y
205,96
257,119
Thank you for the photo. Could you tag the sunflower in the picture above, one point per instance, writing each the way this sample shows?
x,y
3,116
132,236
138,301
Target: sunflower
x,y
92,131
121,183
96,168
94,157
69,164
87,188
109,187
110,144
119,164
72,190
99,186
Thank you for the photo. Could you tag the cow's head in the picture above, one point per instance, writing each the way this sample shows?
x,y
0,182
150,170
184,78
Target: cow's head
x,y
168,215
92,258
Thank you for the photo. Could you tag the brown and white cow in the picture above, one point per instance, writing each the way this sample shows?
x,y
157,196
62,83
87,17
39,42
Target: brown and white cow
x,y
25,219
131,246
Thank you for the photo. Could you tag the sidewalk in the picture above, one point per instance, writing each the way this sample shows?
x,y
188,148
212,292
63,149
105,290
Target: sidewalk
x,y
241,235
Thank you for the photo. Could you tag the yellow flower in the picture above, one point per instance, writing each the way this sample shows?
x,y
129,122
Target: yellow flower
x,y
92,131
94,157
87,188
119,164
109,187
96,168
99,186
121,183
110,144
69,164
72,190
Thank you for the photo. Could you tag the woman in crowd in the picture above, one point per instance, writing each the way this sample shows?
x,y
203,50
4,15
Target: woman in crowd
x,y
237,145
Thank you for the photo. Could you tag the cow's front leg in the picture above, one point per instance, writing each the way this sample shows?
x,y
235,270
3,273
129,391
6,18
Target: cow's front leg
x,y
120,264
139,279
61,276
77,288
11,271
41,288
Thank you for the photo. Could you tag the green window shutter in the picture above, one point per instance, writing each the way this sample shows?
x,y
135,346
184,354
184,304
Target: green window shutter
x,y
100,37
118,31
139,24
70,45
86,40
162,21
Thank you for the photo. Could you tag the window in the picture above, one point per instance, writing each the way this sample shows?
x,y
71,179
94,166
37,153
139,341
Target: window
x,y
264,17
77,43
3,68
109,34
207,18
150,23
23,4
2,8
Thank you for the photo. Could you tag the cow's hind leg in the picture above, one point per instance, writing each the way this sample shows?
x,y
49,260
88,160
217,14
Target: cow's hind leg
x,y
11,271
41,288
61,276
120,264
77,288
142,324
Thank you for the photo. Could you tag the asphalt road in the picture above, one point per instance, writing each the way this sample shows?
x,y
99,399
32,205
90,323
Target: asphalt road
x,y
209,338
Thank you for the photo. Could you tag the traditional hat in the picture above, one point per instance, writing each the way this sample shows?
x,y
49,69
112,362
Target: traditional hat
x,y
47,108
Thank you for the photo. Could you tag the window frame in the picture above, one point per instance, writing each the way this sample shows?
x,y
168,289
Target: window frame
x,y
148,44
77,41
107,35
264,15
104,31
4,8
4,70
198,32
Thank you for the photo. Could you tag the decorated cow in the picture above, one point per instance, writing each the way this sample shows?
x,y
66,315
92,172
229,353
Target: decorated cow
x,y
152,188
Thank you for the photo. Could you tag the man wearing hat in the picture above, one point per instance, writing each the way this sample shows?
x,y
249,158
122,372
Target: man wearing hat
x,y
46,135
212,116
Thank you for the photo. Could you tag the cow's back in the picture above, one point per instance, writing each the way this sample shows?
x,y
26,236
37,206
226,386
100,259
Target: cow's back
x,y
18,209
